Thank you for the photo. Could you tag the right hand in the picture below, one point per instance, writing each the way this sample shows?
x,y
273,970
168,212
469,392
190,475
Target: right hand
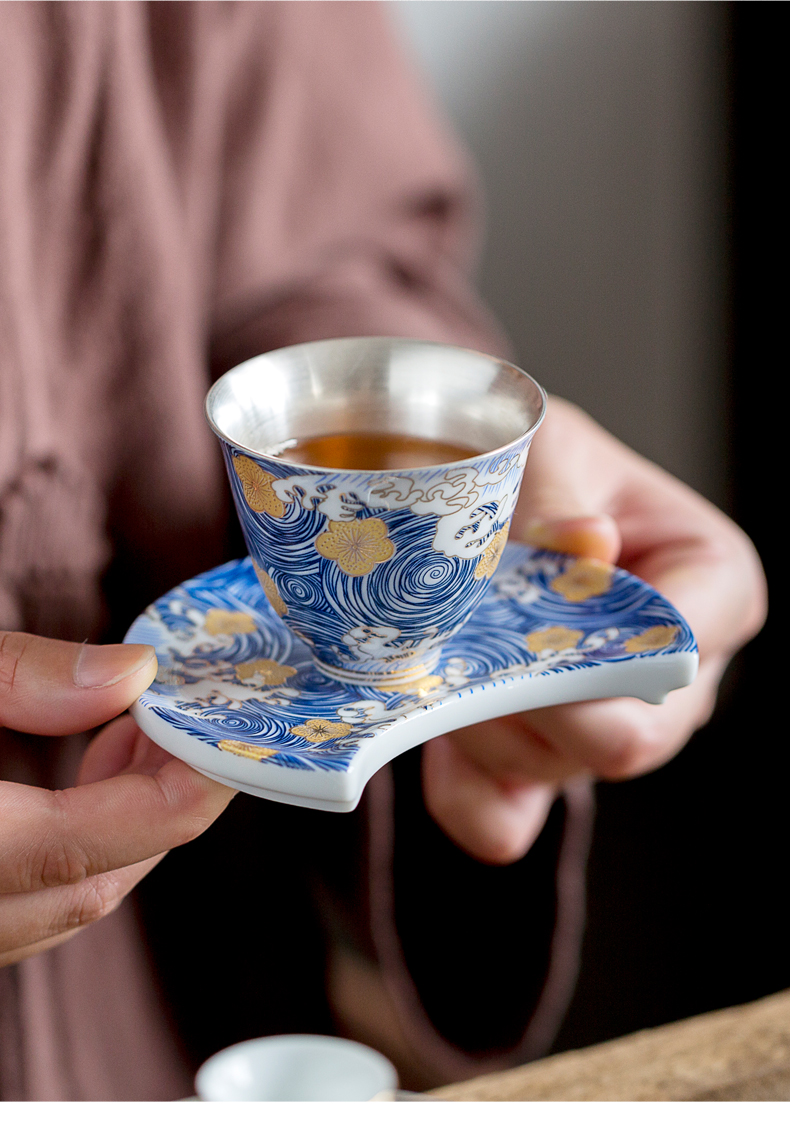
x,y
490,786
68,858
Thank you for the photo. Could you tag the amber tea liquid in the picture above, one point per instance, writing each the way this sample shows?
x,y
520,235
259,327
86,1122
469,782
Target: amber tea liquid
x,y
374,451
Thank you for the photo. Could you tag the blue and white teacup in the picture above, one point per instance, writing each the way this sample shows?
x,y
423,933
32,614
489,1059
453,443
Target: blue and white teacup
x,y
375,570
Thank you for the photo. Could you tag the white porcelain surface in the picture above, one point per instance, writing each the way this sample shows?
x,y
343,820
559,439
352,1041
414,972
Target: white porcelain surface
x,y
296,1068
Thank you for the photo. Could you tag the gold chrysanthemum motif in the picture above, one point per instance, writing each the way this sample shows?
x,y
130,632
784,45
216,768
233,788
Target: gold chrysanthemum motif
x,y
489,559
317,729
271,590
273,674
242,749
219,622
583,579
553,639
257,487
355,546
653,639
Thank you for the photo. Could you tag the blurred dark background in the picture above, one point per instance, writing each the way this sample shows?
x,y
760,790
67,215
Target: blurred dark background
x,y
630,157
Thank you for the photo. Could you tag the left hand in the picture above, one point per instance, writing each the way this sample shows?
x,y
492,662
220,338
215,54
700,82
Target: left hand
x,y
69,857
490,786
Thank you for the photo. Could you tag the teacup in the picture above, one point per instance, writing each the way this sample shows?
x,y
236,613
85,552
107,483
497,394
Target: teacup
x,y
375,569
297,1068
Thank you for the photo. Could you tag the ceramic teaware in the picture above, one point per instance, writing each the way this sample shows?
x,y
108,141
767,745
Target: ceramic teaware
x,y
375,570
241,699
297,1068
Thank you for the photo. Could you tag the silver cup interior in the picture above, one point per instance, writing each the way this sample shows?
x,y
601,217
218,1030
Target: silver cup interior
x,y
376,385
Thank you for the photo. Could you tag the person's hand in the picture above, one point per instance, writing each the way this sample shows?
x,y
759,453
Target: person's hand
x,y
490,786
68,858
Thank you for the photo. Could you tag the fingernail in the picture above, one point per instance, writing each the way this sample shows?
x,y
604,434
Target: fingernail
x,y
540,533
591,535
546,534
97,667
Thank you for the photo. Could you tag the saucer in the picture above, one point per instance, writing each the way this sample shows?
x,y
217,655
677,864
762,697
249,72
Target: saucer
x,y
238,697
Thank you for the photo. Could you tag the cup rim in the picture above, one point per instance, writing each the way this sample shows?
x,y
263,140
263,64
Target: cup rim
x,y
528,434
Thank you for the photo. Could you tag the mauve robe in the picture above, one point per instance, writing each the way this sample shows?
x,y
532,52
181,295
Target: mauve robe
x,y
182,186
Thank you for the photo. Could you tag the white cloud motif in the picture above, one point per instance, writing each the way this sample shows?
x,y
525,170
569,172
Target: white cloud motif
x,y
379,643
472,505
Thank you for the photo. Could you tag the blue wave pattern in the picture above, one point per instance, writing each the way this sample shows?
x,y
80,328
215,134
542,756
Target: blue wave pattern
x,y
204,630
424,595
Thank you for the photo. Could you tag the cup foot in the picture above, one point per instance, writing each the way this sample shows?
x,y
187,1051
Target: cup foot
x,y
381,680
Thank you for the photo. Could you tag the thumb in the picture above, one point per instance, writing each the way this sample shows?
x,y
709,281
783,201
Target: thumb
x,y
495,821
561,504
52,687
585,535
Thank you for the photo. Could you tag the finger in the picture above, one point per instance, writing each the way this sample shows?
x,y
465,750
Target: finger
x,y
495,822
567,491
52,687
620,738
509,751
718,586
613,739
59,838
48,915
14,956
578,479
594,535
564,464
121,748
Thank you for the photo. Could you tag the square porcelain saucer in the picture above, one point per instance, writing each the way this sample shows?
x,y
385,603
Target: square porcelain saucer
x,y
238,697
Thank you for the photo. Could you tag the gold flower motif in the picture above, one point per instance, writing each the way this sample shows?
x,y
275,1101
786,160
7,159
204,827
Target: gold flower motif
x,y
271,590
652,640
219,622
317,729
553,639
273,673
584,578
486,566
257,487
242,749
356,546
